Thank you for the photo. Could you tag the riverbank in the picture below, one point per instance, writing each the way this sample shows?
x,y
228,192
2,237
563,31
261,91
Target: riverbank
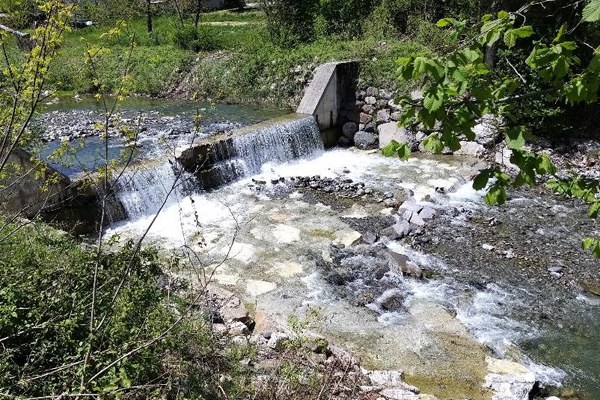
x,y
241,66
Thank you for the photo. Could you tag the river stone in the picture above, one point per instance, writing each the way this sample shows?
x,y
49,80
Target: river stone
x,y
509,380
369,109
392,302
229,306
370,100
398,394
404,263
413,218
349,129
257,287
343,141
277,340
592,287
410,205
390,131
383,116
427,213
372,91
369,238
396,231
365,118
486,132
347,238
384,94
365,140
369,127
470,149
238,329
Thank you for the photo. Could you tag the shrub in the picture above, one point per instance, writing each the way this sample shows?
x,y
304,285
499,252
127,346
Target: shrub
x,y
189,37
46,286
344,18
290,22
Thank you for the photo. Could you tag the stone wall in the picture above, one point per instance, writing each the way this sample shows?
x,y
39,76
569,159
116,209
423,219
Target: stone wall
x,y
34,189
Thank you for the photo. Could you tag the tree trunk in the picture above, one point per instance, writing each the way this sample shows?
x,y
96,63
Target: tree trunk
x,y
149,16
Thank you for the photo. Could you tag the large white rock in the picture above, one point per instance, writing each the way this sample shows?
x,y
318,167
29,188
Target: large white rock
x,y
508,380
391,131
470,149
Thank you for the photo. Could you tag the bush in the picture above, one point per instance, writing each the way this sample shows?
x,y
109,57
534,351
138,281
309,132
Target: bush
x,y
46,282
344,18
189,37
290,22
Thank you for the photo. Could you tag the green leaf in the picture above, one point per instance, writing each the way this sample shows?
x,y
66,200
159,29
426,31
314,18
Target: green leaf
x,y
481,180
515,137
433,100
502,14
419,67
594,209
390,149
444,22
404,151
591,12
496,195
433,143
545,165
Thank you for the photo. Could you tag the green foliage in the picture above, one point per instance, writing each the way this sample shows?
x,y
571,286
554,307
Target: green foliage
x,y
591,12
45,297
344,18
290,22
396,148
189,37
460,88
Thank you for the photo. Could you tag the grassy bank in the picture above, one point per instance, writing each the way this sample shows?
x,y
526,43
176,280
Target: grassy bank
x,y
240,65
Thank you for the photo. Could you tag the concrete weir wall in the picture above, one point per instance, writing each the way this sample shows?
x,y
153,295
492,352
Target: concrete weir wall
x,y
332,89
35,189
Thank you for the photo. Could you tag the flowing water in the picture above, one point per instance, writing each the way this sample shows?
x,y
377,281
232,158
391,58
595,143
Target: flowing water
x,y
266,241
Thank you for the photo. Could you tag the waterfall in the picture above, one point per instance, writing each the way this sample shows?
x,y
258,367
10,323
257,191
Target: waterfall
x,y
279,142
142,190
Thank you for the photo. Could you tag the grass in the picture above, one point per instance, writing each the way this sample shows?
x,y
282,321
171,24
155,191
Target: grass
x,y
243,66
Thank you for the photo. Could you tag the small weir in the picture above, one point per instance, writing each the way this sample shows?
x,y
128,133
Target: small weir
x,y
242,152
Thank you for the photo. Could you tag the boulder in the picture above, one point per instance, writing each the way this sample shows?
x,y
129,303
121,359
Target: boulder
x,y
392,302
238,329
413,218
278,340
405,264
229,306
371,91
390,131
349,129
383,116
369,127
343,141
368,109
486,132
365,140
396,231
427,213
470,149
409,205
509,380
384,94
371,100
365,118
